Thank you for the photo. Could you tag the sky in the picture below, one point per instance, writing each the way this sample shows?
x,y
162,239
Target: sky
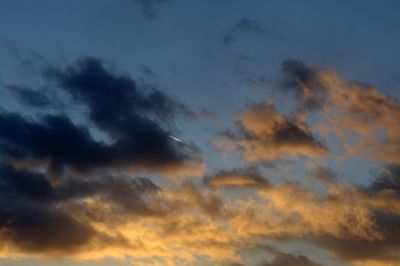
x,y
182,132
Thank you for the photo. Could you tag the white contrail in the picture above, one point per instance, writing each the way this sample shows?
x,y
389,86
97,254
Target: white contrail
x,y
176,139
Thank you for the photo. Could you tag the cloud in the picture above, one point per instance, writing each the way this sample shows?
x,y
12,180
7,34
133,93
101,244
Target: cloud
x,y
107,94
29,97
361,117
242,26
236,178
377,252
33,218
63,189
389,180
355,225
130,116
37,229
66,190
323,174
186,219
304,81
149,7
264,135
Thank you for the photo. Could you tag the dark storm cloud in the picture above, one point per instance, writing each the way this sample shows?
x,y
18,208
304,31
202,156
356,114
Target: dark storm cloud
x,y
54,137
303,80
58,139
16,186
131,116
241,177
114,101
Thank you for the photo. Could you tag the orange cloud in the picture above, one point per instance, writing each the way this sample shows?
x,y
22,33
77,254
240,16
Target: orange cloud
x,y
247,177
264,135
362,117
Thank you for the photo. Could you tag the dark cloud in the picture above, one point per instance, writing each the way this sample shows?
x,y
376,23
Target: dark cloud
x,y
50,163
35,228
32,220
28,219
132,117
241,177
29,97
390,179
290,133
130,196
29,186
303,80
55,138
113,100
125,192
149,7
248,25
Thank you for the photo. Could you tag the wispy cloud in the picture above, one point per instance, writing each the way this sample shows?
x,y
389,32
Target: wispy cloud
x,y
248,25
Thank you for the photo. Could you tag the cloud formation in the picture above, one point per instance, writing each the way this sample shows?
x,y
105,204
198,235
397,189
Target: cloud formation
x,y
248,25
54,168
265,135
350,108
246,177
132,118
75,189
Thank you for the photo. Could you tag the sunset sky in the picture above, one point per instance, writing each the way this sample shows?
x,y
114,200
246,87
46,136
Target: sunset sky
x,y
183,132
